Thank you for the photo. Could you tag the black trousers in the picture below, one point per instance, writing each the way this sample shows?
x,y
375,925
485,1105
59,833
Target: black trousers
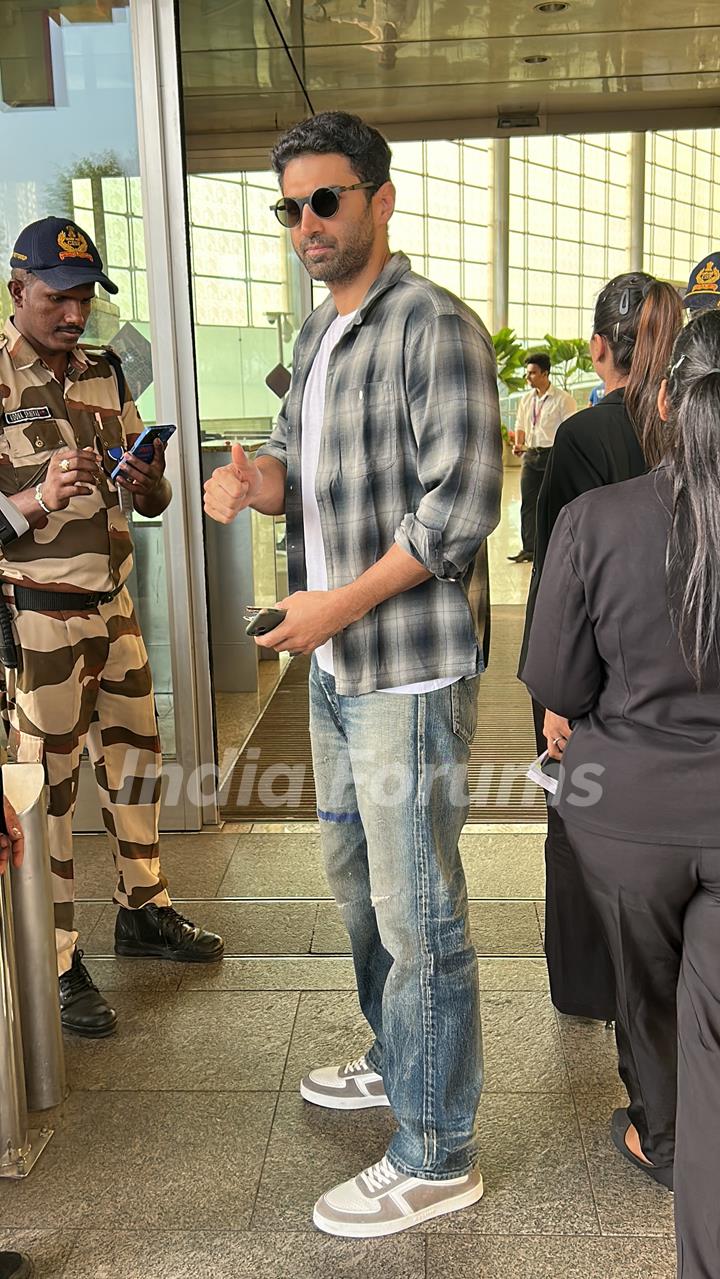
x,y
534,463
660,907
582,981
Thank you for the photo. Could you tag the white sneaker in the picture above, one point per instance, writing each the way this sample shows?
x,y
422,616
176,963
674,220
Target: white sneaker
x,y
381,1201
355,1086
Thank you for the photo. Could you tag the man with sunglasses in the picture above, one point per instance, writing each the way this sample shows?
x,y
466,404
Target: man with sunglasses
x,y
386,459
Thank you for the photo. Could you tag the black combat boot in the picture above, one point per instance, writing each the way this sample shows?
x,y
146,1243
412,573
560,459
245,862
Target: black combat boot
x,y
82,1008
159,932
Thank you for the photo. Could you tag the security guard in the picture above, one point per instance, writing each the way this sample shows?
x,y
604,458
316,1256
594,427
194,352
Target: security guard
x,y
80,673
703,290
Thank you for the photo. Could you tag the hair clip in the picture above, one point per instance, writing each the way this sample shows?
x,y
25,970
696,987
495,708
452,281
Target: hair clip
x,y
624,307
674,368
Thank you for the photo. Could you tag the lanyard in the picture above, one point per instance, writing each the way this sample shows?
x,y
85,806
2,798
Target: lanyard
x,y
537,408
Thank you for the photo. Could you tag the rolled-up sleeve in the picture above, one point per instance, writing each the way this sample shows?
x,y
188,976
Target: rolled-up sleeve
x,y
455,417
563,669
276,444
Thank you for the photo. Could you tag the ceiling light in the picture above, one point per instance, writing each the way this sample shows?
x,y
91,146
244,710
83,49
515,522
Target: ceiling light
x,y
552,6
534,58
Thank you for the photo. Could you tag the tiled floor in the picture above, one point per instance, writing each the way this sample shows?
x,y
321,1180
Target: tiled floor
x,y
185,1150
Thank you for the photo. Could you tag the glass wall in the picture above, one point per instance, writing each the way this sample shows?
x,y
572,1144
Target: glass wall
x,y
569,230
247,313
682,201
68,140
441,215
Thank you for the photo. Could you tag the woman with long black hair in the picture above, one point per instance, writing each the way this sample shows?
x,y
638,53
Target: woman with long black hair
x,y
635,324
626,643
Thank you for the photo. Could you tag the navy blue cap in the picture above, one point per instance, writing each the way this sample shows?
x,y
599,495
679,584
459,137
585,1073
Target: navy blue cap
x,y
60,254
703,290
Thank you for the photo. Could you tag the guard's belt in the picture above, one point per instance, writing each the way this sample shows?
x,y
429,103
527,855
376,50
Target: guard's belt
x,y
27,600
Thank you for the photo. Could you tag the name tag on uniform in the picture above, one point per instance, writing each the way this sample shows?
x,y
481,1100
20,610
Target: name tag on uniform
x,y
17,416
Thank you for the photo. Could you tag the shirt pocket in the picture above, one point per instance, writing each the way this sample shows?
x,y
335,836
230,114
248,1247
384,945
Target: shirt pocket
x,y
29,446
367,428
110,437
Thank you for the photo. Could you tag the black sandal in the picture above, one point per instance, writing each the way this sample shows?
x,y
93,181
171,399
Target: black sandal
x,y
618,1131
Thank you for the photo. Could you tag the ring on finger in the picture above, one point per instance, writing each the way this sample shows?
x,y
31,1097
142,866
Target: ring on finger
x,y
558,740
64,464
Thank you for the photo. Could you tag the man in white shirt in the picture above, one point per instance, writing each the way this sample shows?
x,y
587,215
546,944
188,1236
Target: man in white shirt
x,y
539,415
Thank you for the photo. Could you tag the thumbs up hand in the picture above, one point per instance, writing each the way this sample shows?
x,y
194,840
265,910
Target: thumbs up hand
x,y
232,488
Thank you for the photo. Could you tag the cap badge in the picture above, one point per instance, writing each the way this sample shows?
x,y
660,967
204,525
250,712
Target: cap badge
x,y
73,244
707,279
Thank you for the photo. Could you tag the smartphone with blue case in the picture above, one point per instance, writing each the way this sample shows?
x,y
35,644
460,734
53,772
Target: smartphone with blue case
x,y
143,446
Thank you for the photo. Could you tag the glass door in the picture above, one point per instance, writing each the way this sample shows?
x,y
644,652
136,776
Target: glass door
x,y
69,142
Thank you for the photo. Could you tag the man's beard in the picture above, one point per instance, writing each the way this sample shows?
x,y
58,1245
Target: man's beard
x,y
346,263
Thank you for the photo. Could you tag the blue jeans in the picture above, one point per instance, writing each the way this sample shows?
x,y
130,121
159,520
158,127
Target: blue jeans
x,y
391,781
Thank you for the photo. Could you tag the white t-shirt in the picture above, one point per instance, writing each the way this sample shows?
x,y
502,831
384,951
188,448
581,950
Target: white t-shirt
x,y
539,416
313,411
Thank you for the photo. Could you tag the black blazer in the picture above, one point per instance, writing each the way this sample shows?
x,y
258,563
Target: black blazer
x,y
603,653
594,447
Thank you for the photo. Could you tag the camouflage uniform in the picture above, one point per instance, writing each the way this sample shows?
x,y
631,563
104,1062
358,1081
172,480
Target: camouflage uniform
x,y
82,677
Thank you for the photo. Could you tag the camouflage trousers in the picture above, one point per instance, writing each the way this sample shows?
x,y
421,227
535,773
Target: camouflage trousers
x,y
84,679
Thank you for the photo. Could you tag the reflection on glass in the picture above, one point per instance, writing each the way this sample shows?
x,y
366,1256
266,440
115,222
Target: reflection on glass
x,y
68,141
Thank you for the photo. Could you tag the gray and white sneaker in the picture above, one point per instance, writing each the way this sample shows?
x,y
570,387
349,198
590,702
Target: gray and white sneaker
x,y
381,1201
355,1086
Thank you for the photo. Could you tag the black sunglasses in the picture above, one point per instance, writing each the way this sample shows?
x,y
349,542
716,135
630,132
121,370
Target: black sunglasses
x,y
324,202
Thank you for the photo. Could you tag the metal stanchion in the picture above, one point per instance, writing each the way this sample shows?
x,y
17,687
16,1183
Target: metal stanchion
x,y
19,1147
14,1135
34,931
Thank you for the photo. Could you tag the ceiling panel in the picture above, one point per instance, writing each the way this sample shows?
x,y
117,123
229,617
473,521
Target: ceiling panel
x,y
414,66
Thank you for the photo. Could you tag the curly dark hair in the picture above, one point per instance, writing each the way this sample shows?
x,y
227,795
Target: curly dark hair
x,y
336,133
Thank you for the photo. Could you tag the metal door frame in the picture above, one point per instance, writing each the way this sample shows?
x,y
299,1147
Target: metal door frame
x,y
190,798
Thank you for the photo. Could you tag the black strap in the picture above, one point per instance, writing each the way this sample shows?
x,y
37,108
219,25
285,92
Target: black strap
x,y
113,359
31,601
8,651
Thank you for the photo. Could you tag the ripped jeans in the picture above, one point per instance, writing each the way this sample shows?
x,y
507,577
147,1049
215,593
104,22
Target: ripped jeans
x,y
391,781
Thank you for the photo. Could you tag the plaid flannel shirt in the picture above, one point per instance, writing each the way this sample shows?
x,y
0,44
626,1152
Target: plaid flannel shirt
x,y
411,452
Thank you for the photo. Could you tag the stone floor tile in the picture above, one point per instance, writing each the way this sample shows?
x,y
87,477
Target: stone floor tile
x,y
244,1255
249,928
194,1041
285,828
87,918
505,828
194,864
550,1257
591,1055
628,1202
513,974
497,928
505,928
522,1046
329,1028
330,935
48,1249
501,865
291,973
134,975
534,1169
276,866
146,1161
540,911
310,1150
